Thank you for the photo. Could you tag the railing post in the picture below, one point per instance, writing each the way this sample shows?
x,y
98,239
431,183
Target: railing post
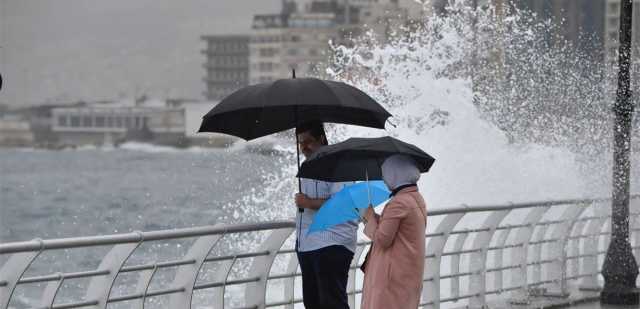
x,y
537,254
351,285
290,283
562,231
255,295
574,249
50,292
100,287
478,261
606,240
12,271
633,224
144,281
435,246
591,246
186,275
221,275
455,263
519,256
497,276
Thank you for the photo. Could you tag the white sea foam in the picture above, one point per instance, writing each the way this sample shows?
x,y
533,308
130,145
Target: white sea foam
x,y
423,82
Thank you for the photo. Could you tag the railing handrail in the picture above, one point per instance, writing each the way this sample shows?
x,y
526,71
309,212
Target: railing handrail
x,y
135,237
512,206
138,236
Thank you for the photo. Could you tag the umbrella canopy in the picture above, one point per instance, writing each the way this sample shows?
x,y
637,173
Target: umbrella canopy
x,y
267,108
359,159
343,206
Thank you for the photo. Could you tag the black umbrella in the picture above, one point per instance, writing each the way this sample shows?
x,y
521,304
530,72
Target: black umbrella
x,y
267,108
360,159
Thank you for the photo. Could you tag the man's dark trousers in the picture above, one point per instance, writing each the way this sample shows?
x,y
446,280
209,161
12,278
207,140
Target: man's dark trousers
x,y
324,277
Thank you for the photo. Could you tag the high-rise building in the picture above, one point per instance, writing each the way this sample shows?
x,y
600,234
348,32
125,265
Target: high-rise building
x,y
580,22
281,43
298,38
385,17
307,41
612,28
266,48
227,64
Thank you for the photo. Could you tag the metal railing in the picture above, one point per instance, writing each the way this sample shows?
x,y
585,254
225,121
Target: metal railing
x,y
472,254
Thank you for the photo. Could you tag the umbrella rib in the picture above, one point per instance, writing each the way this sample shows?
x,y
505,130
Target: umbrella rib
x,y
332,92
264,92
298,99
355,90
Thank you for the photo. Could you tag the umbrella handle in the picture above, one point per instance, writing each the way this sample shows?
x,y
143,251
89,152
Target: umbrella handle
x,y
366,174
298,156
362,219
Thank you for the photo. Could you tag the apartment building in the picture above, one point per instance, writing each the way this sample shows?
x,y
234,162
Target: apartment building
x,y
612,28
227,64
298,38
266,48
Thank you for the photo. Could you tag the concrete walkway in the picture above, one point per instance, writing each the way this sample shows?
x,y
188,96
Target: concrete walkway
x,y
577,300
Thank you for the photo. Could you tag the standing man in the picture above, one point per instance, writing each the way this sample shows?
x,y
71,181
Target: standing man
x,y
324,256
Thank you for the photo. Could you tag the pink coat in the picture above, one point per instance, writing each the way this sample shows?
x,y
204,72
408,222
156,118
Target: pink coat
x,y
393,274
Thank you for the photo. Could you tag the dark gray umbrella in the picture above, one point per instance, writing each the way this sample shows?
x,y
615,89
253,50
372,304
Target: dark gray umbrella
x,y
267,108
359,159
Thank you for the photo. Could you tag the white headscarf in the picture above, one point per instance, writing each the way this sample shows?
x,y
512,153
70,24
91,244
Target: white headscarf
x,y
398,170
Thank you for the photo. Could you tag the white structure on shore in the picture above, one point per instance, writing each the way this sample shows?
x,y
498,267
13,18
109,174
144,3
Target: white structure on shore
x,y
148,120
15,132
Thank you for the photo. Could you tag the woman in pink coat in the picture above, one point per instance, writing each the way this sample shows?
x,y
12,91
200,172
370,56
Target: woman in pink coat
x,y
393,273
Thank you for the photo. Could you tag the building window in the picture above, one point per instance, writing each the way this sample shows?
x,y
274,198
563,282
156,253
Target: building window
x,y
138,123
127,122
268,52
109,121
62,121
100,122
292,52
313,52
613,36
75,121
86,121
613,7
266,66
118,122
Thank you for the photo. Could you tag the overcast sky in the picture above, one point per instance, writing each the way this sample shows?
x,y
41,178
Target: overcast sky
x,y
67,50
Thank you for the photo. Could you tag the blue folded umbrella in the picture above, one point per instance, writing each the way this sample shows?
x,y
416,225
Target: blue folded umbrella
x,y
343,206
